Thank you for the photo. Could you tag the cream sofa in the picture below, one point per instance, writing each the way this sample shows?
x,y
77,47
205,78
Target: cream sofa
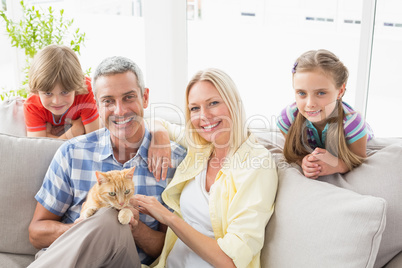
x,y
354,220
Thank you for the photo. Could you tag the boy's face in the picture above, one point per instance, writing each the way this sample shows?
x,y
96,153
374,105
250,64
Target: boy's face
x,y
58,100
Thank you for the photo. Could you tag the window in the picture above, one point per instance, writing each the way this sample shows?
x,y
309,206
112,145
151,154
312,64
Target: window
x,y
256,42
111,27
385,92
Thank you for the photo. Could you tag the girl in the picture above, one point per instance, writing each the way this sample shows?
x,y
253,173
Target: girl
x,y
61,104
223,192
324,135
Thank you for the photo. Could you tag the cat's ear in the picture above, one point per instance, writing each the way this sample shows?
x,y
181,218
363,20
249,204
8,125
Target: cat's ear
x,y
130,173
100,177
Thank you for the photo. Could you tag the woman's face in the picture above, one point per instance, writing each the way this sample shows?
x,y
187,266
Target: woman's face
x,y
316,95
209,114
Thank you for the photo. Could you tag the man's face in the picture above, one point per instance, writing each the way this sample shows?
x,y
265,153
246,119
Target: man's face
x,y
121,106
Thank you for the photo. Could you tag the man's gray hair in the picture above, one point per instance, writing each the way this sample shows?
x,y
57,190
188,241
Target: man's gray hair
x,y
118,65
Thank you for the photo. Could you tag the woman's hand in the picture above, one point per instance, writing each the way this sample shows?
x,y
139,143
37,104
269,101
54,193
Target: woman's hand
x,y
149,205
159,154
136,215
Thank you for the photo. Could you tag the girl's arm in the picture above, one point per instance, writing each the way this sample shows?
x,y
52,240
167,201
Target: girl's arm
x,y
283,133
329,164
207,248
359,147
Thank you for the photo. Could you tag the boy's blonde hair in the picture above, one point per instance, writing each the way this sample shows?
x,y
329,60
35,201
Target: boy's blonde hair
x,y
56,64
296,143
230,95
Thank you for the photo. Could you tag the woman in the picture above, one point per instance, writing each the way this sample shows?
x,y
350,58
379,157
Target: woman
x,y
223,192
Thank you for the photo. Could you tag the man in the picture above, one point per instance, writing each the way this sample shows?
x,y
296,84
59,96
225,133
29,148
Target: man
x,y
101,241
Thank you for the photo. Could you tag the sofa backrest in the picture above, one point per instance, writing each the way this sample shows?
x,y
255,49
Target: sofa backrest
x,y
337,219
23,164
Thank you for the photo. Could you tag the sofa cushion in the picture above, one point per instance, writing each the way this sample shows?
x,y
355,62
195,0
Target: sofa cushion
x,y
15,260
316,224
396,262
12,117
24,162
380,176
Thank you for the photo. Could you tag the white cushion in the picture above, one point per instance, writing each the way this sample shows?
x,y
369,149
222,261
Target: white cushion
x,y
381,176
316,224
12,117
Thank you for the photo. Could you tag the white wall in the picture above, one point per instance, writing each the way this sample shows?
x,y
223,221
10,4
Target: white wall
x,y
256,51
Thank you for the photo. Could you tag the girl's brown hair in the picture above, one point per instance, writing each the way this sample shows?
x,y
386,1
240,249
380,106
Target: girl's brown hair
x,y
56,64
296,143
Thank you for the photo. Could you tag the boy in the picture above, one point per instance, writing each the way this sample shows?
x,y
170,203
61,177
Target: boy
x,y
61,104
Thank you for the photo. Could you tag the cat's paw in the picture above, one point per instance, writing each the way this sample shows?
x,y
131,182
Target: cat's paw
x,y
125,216
89,212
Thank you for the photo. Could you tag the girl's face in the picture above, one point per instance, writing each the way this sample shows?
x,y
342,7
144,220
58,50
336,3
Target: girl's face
x,y
58,100
209,114
316,96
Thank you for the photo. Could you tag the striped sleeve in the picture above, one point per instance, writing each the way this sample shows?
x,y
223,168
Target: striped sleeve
x,y
355,127
286,118
35,114
55,194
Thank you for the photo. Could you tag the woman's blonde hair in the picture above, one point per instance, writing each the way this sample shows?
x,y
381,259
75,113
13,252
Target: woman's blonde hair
x,y
296,143
230,95
56,64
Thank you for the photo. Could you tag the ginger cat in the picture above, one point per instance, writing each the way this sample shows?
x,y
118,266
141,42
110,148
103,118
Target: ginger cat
x,y
114,189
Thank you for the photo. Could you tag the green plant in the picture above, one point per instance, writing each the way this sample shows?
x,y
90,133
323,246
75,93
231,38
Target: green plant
x,y
37,29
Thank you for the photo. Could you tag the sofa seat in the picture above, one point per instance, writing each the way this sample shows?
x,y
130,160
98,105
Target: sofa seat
x,y
9,260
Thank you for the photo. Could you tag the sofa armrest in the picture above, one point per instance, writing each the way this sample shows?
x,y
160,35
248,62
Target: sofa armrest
x,y
24,162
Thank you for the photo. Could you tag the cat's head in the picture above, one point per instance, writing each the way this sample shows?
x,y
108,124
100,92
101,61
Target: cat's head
x,y
116,187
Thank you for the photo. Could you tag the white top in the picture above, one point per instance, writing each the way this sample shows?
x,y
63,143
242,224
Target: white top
x,y
194,204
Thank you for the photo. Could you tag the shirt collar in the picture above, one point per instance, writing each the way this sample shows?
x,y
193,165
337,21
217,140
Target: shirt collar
x,y
320,141
106,143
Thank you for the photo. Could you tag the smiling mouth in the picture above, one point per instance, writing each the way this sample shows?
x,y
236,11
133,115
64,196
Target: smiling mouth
x,y
58,107
313,113
123,122
209,127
